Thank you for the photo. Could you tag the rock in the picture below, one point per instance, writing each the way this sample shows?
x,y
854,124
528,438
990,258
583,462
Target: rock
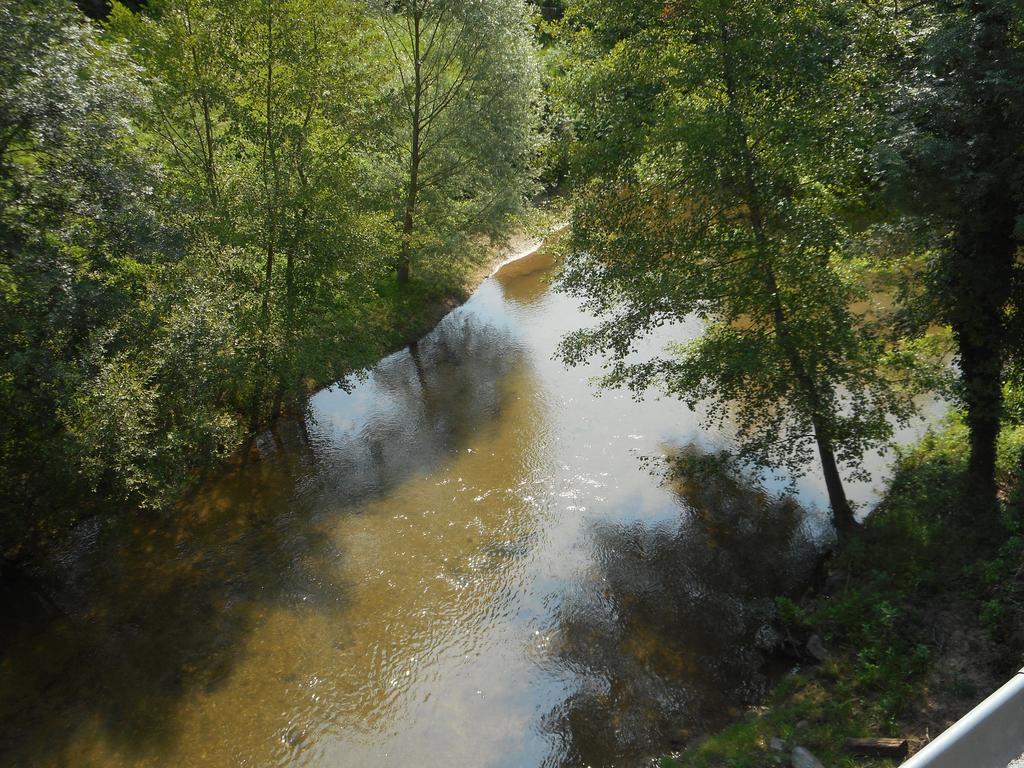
x,y
802,758
775,744
817,649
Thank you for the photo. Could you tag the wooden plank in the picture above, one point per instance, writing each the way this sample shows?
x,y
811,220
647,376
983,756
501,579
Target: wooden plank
x,y
877,747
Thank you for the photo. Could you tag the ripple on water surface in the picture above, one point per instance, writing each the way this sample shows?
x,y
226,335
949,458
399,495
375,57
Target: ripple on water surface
x,y
458,560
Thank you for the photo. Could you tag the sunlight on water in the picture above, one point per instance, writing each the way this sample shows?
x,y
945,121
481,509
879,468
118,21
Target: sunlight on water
x,y
459,561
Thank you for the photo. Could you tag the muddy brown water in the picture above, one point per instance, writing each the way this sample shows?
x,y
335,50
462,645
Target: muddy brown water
x,y
459,560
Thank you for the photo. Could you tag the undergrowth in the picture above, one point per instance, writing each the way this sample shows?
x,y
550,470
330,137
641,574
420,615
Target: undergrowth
x,y
913,571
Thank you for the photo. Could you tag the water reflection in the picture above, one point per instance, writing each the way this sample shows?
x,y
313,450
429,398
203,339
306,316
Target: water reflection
x,y
243,614
416,409
664,632
456,561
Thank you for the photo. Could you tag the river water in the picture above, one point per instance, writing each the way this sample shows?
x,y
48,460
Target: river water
x,y
462,559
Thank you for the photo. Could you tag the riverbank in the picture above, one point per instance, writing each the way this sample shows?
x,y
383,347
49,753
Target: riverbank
x,y
415,310
421,306
914,622
398,318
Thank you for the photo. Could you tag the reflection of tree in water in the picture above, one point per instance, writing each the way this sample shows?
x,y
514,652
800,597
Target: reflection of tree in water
x,y
157,608
425,404
664,634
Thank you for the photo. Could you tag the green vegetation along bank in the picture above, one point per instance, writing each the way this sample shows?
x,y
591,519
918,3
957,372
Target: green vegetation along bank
x,y
209,208
919,620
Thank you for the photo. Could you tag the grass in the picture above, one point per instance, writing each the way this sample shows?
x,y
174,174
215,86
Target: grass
x,y
923,619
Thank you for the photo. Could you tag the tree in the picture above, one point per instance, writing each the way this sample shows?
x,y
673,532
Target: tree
x,y
80,239
263,110
466,93
725,142
956,161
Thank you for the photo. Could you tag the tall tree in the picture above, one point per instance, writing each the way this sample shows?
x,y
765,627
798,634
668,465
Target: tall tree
x,y
264,112
957,162
466,92
725,144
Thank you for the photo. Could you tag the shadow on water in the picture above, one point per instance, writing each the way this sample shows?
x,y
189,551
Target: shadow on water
x,y
664,634
157,609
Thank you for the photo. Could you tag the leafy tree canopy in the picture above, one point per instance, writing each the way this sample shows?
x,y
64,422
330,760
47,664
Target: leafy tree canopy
x,y
727,149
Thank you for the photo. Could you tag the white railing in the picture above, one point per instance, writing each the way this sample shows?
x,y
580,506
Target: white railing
x,y
989,736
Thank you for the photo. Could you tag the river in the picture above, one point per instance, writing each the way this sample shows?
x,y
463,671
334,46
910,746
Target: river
x,y
461,559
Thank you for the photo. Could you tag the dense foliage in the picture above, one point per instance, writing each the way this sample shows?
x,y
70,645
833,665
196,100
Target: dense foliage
x,y
767,167
82,239
201,211
731,196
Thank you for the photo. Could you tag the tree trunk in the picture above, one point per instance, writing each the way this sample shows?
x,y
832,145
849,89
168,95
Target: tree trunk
x,y
408,225
842,513
404,268
980,276
206,136
256,418
981,367
289,330
271,187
